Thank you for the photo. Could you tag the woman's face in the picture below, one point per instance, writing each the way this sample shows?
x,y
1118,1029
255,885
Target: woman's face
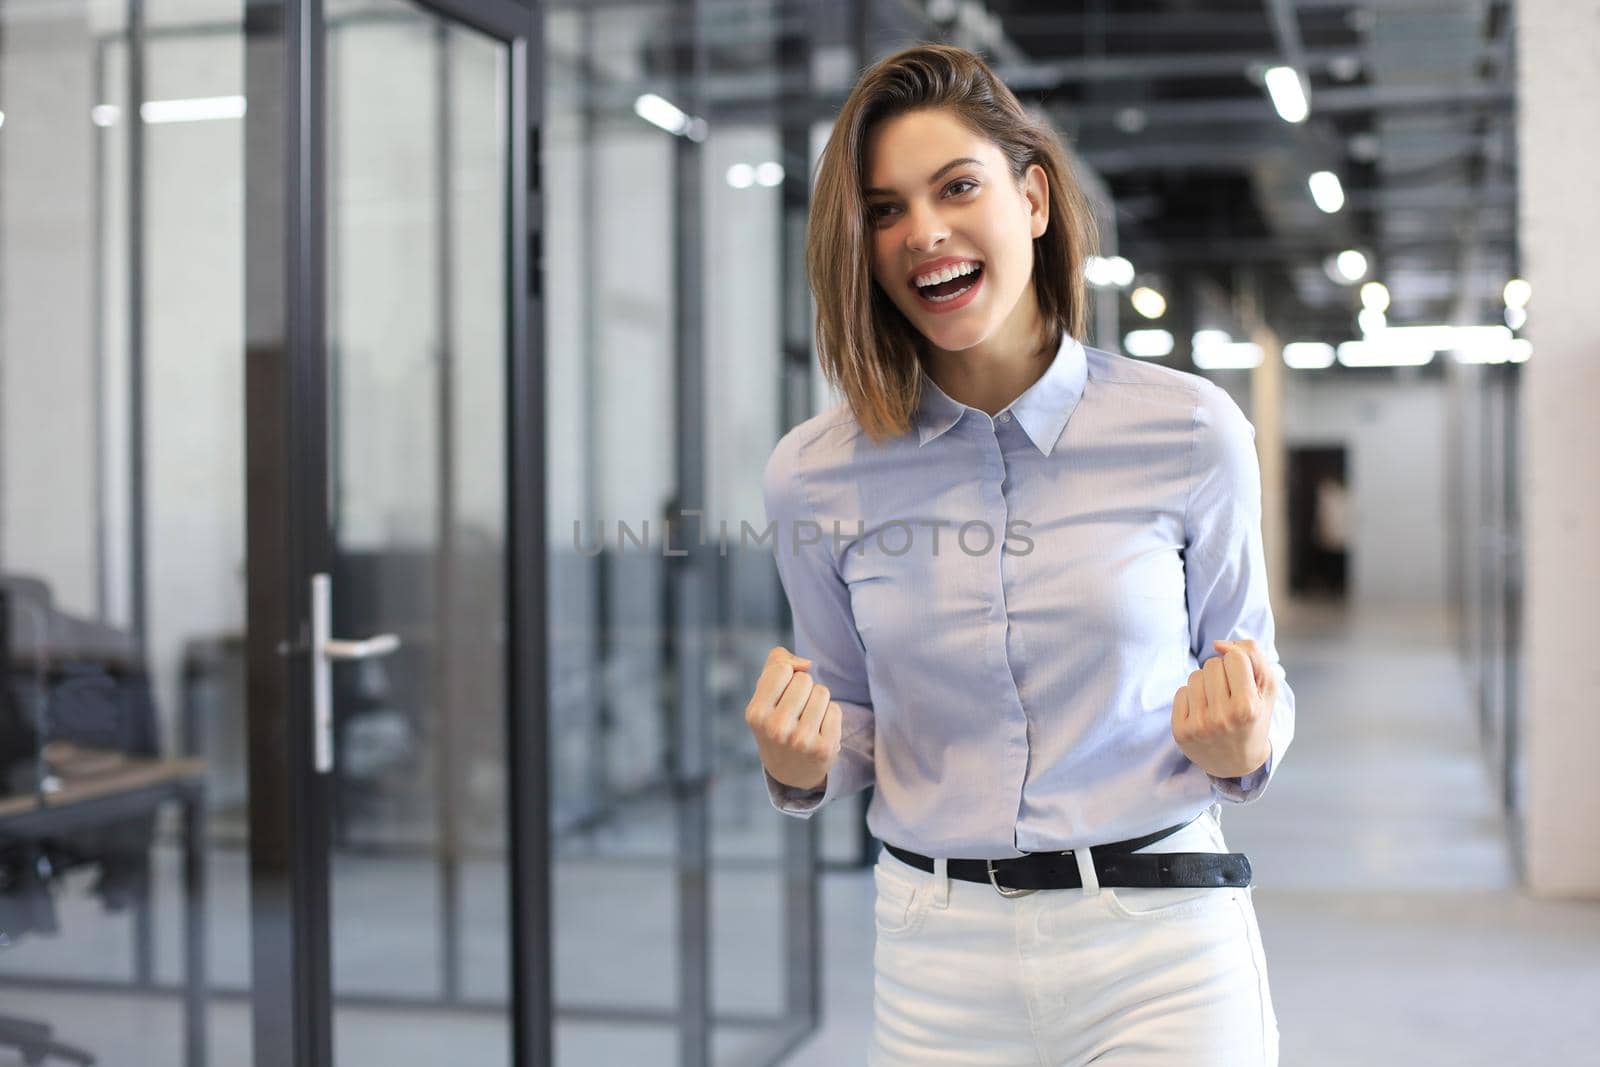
x,y
970,211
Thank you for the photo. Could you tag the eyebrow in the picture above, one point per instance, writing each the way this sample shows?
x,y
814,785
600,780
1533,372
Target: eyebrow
x,y
931,179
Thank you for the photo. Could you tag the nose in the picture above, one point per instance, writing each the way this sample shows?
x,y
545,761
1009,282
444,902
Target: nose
x,y
926,231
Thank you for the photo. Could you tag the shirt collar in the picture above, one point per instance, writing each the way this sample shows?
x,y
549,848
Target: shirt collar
x,y
1042,410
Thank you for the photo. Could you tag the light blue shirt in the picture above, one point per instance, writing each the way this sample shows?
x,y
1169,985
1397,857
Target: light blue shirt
x,y
1004,608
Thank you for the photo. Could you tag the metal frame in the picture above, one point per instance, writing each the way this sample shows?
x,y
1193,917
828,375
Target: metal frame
x,y
290,536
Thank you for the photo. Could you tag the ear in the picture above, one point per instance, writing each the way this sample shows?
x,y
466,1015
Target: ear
x,y
1036,191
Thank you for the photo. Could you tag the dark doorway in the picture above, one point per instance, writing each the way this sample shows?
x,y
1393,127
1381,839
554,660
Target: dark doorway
x,y
1319,522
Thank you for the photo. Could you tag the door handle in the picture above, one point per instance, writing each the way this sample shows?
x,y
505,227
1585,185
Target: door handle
x,y
324,651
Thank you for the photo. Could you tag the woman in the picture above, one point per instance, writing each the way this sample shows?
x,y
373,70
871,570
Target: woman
x,y
1030,606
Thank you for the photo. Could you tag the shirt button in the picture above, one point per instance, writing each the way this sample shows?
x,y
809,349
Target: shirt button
x,y
1005,416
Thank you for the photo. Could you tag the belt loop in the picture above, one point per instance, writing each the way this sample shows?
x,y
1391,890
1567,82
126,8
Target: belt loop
x,y
1086,871
941,881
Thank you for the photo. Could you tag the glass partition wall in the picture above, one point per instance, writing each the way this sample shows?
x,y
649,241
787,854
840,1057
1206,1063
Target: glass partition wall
x,y
122,534
683,911
684,906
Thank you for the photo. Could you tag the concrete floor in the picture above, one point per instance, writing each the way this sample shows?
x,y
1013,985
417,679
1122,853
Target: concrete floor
x,y
1385,893
1393,931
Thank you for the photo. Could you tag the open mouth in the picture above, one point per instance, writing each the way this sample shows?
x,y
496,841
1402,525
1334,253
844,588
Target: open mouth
x,y
954,289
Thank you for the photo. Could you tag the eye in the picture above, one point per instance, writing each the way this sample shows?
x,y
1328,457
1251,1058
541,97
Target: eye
x,y
875,211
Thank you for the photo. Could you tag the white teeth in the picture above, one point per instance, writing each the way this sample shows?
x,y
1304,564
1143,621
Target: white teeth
x,y
946,274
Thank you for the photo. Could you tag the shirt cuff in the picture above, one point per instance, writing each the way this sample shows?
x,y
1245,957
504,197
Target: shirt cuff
x,y
1243,789
801,803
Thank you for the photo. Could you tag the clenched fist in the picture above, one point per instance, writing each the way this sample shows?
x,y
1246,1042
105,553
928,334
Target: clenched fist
x,y
1220,718
796,725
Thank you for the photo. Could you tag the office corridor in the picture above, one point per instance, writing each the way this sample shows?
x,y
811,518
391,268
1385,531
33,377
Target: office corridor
x,y
1384,886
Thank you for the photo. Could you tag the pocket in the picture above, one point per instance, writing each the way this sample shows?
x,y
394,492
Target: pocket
x,y
1156,904
1204,834
901,897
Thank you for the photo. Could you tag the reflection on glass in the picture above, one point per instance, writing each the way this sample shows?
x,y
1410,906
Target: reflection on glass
x,y
122,540
416,148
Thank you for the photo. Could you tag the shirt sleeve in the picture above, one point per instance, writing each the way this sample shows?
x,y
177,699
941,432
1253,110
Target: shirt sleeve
x,y
824,630
1225,566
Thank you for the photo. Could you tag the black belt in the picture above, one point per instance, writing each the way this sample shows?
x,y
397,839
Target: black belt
x,y
1115,864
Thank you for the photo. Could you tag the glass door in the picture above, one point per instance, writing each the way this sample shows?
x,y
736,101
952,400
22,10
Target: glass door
x,y
403,734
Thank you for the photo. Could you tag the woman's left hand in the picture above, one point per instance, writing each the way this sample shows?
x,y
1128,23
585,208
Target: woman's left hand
x,y
1220,718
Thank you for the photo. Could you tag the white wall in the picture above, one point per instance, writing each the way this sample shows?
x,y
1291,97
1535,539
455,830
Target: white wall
x,y
1559,91
1394,434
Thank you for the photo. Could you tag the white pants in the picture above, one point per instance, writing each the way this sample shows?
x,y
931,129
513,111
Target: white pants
x,y
1061,977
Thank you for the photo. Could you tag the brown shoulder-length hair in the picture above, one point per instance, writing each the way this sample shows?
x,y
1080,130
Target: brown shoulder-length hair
x,y
868,349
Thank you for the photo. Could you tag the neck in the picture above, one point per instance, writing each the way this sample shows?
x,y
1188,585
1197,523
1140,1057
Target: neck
x,y
991,374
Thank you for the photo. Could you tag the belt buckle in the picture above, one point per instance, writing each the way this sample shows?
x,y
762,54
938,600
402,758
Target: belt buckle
x,y
1004,890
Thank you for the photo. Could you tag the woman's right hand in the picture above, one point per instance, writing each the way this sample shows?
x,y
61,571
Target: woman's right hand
x,y
796,725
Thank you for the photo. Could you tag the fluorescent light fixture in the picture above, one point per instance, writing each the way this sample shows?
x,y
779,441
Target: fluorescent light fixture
x,y
1108,272
1480,344
1148,344
663,113
741,175
1375,295
1307,355
1148,302
195,109
1371,321
1217,350
1351,265
1516,318
1288,95
105,114
1413,346
1521,349
769,174
1382,351
1517,293
1233,355
1326,191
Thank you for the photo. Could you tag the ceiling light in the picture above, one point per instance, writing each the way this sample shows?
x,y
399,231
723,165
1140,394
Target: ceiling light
x,y
1517,293
1326,191
769,174
1385,352
1233,355
1345,68
104,114
663,113
1363,147
1288,95
1480,344
1350,266
1371,321
197,109
1516,318
1148,302
1375,295
1308,355
1148,344
741,175
1131,119
1108,271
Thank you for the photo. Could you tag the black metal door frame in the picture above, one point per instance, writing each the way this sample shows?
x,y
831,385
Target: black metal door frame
x,y
289,532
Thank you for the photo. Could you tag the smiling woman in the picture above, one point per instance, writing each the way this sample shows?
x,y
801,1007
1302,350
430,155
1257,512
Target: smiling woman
x,y
933,164
1033,715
